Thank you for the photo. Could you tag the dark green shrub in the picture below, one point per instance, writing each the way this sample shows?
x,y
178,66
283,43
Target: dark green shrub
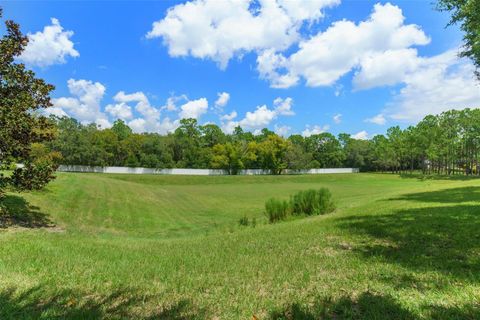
x,y
312,202
276,210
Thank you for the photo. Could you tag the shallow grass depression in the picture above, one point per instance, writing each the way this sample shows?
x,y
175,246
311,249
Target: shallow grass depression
x,y
97,246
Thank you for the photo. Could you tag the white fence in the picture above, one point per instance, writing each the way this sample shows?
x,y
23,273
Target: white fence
x,y
193,172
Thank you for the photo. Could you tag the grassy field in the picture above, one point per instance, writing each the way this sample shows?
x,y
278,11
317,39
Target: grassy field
x,y
170,247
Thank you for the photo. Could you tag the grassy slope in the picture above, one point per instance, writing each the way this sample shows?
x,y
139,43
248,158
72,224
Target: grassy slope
x,y
171,247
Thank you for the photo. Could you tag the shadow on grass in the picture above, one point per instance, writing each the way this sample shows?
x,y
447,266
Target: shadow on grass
x,y
468,312
443,238
455,195
421,176
16,211
366,306
36,304
369,306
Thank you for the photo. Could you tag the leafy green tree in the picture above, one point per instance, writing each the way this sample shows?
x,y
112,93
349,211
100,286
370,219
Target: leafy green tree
x,y
227,156
297,158
155,152
467,14
121,129
69,140
428,135
134,145
326,149
104,143
250,154
382,153
211,135
22,97
397,147
187,144
412,147
297,155
264,134
240,135
297,139
272,154
358,153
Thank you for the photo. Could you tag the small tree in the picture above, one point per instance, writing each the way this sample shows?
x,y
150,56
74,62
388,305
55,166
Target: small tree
x,y
22,95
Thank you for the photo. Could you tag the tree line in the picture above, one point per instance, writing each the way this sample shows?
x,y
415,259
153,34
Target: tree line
x,y
442,144
191,146
448,143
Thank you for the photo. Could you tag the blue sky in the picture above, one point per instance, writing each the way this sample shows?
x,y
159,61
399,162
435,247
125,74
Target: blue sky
x,y
340,66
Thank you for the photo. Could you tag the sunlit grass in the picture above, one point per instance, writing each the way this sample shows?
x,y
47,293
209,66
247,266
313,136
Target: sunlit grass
x,y
127,246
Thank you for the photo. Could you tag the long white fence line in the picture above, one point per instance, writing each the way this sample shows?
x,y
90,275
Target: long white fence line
x,y
193,172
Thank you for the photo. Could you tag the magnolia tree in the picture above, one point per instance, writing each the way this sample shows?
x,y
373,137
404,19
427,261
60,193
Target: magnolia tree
x,y
22,127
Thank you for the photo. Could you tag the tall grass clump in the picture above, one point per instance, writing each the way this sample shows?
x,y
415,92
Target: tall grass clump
x,y
276,210
243,221
308,202
312,202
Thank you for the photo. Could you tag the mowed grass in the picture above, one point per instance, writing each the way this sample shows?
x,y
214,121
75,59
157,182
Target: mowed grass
x,y
170,247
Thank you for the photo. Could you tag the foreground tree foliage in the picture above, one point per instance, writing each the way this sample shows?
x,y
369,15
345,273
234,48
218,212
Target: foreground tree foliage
x,y
467,14
22,129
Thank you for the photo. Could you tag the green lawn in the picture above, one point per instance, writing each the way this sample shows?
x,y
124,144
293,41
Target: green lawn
x,y
170,247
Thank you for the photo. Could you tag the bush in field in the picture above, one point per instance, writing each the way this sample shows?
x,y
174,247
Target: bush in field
x,y
312,202
276,210
308,202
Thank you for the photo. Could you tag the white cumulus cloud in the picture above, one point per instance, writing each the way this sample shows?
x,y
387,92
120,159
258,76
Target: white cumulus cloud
x,y
385,68
134,108
337,118
362,135
282,130
220,30
194,108
119,111
261,117
171,103
232,115
309,130
148,116
84,104
222,100
440,83
325,57
283,107
50,46
378,119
